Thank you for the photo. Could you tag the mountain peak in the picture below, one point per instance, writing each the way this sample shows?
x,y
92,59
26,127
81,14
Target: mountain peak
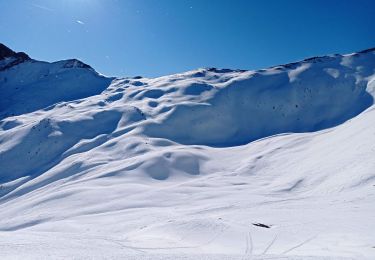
x,y
74,63
10,58
6,52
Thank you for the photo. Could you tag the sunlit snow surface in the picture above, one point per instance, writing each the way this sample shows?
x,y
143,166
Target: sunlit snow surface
x,y
208,164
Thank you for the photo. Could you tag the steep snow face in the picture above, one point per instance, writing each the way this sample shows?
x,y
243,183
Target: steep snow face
x,y
306,96
132,166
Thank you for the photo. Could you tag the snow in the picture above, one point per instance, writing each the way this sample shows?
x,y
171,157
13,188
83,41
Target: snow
x,y
194,165
34,85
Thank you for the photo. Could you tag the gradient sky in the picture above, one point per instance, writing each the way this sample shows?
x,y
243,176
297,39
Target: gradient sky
x,y
160,37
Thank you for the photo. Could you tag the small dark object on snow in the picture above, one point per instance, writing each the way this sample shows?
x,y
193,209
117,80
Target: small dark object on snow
x,y
261,225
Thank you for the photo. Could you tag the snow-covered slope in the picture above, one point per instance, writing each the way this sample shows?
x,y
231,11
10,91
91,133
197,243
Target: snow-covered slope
x,y
210,164
27,85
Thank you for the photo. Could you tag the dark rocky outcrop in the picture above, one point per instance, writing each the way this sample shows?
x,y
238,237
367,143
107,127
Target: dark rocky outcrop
x,y
74,63
15,57
5,52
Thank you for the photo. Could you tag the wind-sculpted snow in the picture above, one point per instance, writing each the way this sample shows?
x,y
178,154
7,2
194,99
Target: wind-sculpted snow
x,y
207,164
252,105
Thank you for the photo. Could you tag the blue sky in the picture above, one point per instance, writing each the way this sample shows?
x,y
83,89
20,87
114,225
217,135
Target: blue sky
x,y
160,37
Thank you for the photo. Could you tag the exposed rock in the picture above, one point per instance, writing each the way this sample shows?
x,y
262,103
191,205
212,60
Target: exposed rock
x,y
74,63
10,58
261,225
5,52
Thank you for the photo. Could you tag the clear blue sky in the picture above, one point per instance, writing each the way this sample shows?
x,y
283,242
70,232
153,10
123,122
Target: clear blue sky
x,y
159,37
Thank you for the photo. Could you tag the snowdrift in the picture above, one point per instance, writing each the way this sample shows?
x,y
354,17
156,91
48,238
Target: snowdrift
x,y
240,107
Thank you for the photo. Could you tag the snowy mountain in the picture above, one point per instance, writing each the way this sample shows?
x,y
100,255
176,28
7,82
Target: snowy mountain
x,y
208,164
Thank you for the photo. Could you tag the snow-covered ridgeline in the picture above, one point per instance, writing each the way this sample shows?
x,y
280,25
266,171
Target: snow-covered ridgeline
x,y
188,162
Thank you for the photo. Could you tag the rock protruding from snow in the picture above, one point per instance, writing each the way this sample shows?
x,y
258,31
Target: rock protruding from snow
x,y
10,58
5,52
74,63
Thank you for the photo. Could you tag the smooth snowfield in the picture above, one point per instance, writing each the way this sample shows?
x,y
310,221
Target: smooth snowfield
x,y
208,164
